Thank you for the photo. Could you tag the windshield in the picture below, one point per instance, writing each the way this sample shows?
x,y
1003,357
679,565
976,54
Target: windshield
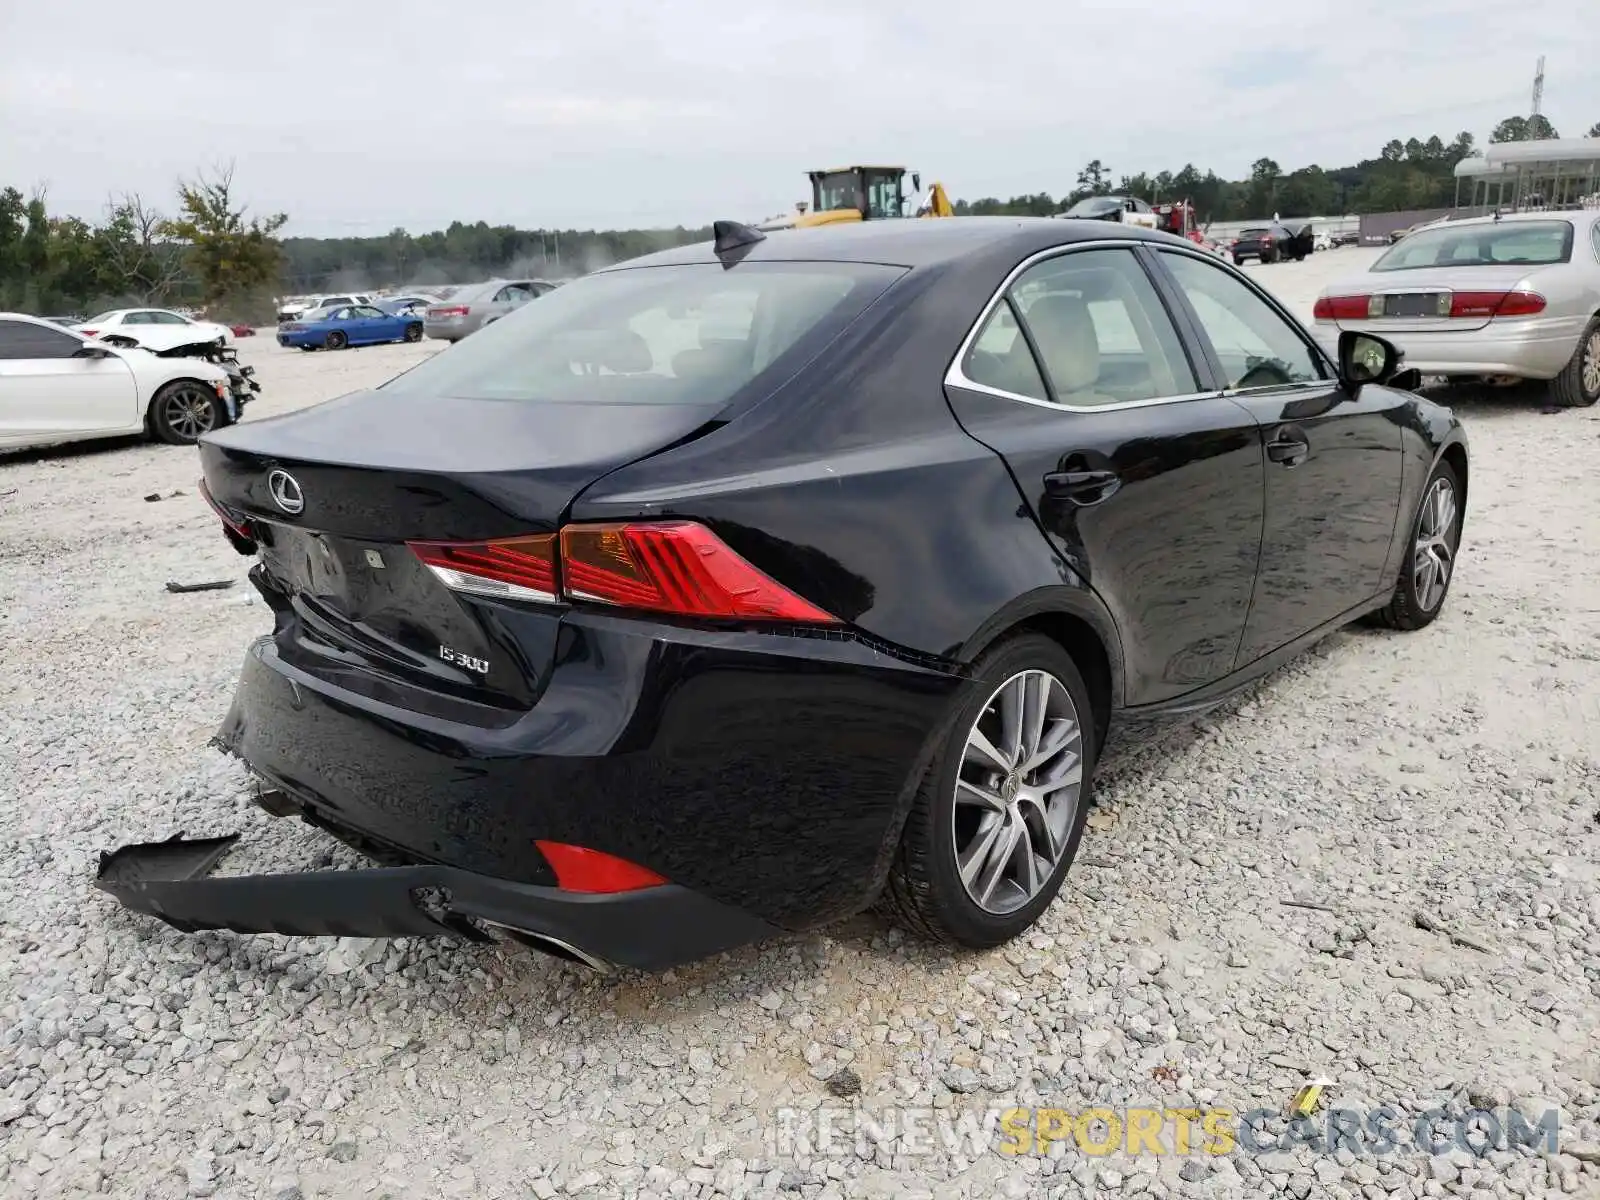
x,y
1509,243
655,335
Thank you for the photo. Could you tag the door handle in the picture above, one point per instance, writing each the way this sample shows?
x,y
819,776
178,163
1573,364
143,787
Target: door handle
x,y
1082,487
1290,449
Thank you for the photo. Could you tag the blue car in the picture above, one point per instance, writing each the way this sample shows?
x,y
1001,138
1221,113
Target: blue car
x,y
349,325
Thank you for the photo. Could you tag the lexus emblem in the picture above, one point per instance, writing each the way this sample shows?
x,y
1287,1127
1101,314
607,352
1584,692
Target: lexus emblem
x,y
286,493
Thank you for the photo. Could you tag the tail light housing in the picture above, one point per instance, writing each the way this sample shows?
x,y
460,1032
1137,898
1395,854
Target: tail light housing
x,y
521,568
678,568
90,332
579,869
1342,308
450,310
235,525
1496,304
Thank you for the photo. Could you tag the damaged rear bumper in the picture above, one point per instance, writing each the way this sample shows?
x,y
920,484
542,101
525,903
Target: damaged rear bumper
x,y
649,929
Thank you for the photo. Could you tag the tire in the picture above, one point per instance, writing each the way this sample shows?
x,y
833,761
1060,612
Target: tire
x,y
413,333
925,889
183,410
1238,260
336,341
1578,385
1414,603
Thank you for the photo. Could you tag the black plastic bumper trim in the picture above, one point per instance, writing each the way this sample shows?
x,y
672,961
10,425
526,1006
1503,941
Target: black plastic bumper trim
x,y
650,929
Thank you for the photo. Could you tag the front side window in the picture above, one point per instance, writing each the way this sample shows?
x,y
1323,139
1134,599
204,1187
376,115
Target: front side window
x,y
22,340
695,334
1518,243
1256,345
883,194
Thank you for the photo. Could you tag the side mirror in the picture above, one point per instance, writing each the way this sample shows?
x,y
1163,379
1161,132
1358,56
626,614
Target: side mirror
x,y
88,351
1366,358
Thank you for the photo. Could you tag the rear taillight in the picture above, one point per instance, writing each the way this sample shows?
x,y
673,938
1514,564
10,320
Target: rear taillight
x,y
522,568
234,524
675,567
1341,308
452,310
90,332
579,869
1496,304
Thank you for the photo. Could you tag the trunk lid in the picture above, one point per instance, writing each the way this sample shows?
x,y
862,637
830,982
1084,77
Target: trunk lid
x,y
372,471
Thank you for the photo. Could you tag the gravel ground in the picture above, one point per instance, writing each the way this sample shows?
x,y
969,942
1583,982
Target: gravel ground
x,y
1435,794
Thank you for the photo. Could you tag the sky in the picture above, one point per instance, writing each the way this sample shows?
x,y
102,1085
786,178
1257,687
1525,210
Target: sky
x,y
359,116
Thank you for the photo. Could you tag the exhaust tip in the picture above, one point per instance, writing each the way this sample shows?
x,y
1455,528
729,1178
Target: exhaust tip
x,y
556,948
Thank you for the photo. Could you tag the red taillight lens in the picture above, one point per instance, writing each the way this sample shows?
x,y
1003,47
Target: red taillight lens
x,y
453,310
238,524
1341,308
581,870
674,567
522,568
1496,304
90,332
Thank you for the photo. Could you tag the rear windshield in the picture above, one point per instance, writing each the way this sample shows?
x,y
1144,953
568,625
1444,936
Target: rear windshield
x,y
1509,243
655,335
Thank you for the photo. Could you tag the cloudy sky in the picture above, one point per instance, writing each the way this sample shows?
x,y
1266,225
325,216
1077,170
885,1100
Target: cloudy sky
x,y
355,116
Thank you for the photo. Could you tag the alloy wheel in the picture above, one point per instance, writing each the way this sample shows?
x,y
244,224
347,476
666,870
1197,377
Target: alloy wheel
x,y
188,411
1435,556
1017,791
1591,365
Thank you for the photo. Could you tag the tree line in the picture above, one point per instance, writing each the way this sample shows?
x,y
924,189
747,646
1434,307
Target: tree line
x,y
211,253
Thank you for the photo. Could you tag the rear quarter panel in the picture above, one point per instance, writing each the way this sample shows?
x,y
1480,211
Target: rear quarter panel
x,y
854,485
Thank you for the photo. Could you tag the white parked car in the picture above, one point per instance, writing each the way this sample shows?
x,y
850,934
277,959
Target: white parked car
x,y
153,328
56,385
293,310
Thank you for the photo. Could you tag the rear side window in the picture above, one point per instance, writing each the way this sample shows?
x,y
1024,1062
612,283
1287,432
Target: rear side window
x,y
1594,237
696,334
1513,243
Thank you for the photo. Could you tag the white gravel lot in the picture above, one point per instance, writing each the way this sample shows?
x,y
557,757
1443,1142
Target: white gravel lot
x,y
1453,773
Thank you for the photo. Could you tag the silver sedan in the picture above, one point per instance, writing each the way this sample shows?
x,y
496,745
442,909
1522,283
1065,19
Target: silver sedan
x,y
471,308
1515,297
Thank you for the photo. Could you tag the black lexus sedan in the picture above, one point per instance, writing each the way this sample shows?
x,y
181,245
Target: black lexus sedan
x,y
733,588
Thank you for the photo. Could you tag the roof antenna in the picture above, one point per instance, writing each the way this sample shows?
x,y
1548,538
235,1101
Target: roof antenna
x,y
730,237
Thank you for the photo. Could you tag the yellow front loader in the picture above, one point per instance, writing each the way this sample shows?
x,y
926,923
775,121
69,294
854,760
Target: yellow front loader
x,y
863,194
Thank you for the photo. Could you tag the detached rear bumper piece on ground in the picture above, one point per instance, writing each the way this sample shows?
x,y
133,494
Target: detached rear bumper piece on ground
x,y
726,592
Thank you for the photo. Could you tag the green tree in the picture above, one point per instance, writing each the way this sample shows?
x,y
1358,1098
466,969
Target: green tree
x,y
230,254
1524,129
1094,179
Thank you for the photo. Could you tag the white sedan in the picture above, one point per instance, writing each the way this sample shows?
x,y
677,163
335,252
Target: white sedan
x,y
56,385
153,328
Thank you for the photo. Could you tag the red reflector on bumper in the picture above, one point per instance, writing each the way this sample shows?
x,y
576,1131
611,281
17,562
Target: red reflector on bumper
x,y
581,870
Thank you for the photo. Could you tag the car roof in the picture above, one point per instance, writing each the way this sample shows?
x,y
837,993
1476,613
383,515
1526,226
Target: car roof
x,y
907,241
45,322
1576,214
